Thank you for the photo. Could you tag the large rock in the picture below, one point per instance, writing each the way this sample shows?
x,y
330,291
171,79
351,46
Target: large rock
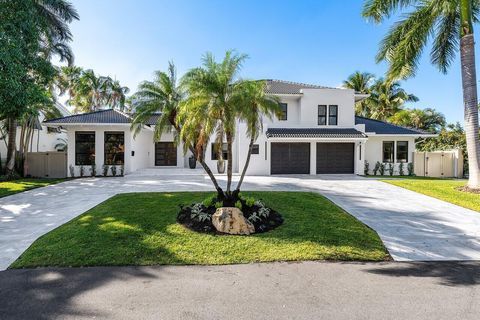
x,y
231,220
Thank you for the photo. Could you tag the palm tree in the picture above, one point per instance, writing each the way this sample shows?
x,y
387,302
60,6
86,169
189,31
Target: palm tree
x,y
428,119
161,98
361,82
386,99
214,95
255,105
56,15
449,24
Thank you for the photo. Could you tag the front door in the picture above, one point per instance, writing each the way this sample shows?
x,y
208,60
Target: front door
x,y
165,154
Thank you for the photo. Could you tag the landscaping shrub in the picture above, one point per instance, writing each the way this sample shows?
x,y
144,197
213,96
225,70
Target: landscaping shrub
x,y
198,216
390,169
410,169
376,168
82,171
72,171
400,169
105,170
93,170
122,170
381,169
366,168
113,169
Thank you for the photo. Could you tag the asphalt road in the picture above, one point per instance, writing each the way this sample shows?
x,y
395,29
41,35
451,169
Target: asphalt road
x,y
308,290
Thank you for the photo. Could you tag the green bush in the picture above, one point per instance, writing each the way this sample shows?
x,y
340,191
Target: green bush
x,y
376,168
410,169
366,168
381,169
210,201
401,171
390,169
218,204
238,204
250,201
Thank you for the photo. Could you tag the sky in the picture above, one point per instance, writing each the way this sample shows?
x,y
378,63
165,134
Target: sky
x,y
318,42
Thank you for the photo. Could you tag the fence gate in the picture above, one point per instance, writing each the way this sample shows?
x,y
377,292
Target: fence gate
x,y
440,164
47,164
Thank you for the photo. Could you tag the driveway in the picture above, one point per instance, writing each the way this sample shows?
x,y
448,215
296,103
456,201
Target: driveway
x,y
414,227
307,290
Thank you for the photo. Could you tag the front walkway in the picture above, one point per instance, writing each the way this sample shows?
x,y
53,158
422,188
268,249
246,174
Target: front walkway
x,y
412,226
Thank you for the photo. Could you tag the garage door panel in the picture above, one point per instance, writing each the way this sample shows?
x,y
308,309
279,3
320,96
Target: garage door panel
x,y
290,158
335,158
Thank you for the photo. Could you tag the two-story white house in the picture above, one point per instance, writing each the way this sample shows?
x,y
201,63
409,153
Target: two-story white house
x,y
317,133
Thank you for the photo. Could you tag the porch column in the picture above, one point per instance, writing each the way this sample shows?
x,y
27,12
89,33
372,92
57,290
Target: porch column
x,y
313,158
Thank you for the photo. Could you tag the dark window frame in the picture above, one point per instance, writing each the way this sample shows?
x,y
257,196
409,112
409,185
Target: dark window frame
x,y
106,155
323,117
255,149
84,158
214,154
283,113
404,153
392,150
330,117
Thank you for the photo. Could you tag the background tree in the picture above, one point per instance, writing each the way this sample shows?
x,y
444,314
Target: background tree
x,y
386,99
427,119
88,92
360,82
448,25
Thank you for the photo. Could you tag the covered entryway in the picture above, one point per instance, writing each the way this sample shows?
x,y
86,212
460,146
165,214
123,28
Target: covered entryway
x,y
165,154
335,158
290,158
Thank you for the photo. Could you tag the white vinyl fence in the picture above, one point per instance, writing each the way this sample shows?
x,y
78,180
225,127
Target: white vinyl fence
x,y
439,164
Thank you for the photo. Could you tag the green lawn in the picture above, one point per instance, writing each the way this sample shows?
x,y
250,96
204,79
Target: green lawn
x,y
11,187
442,189
140,229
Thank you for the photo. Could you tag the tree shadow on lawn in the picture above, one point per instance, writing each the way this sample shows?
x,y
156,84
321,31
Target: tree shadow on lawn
x,y
448,273
50,293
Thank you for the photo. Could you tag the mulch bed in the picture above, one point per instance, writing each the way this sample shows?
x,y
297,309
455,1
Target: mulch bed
x,y
184,217
467,189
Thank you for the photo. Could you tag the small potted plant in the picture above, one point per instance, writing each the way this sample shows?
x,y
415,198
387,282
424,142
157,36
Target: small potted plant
x,y
192,162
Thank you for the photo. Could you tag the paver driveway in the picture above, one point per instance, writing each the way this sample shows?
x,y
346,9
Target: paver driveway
x,y
414,227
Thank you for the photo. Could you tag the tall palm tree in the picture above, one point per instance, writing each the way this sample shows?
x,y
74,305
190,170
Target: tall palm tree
x,y
360,82
56,15
255,105
161,98
214,95
386,99
449,26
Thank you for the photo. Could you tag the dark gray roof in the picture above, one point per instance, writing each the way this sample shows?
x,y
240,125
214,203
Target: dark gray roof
x,y
287,87
382,127
101,116
314,133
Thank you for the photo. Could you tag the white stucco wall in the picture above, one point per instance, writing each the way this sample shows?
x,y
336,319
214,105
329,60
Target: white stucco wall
x,y
374,152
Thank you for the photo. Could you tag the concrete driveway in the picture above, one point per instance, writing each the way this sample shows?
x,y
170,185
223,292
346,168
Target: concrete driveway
x,y
413,227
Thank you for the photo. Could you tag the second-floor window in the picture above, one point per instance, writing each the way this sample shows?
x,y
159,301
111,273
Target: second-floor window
x,y
322,115
283,111
332,115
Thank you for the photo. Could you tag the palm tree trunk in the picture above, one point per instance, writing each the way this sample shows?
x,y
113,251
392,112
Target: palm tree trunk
x,y
230,161
12,134
203,164
470,100
244,171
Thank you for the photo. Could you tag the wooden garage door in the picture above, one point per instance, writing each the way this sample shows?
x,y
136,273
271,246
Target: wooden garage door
x,y
335,157
165,154
290,158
